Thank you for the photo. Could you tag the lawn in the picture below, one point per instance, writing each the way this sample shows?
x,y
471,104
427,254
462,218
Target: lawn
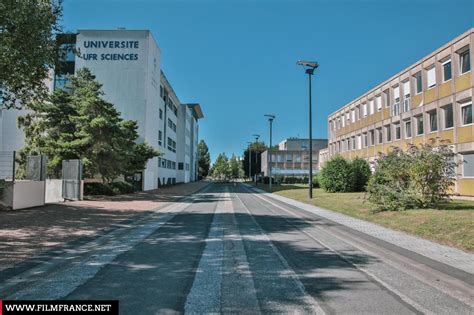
x,y
452,225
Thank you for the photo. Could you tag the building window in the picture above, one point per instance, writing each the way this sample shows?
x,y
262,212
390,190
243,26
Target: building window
x,y
396,104
160,138
379,135
388,133
408,129
448,116
468,165
171,145
433,115
359,144
180,166
419,125
465,62
358,112
419,83
466,114
353,115
372,137
371,107
386,95
364,109
431,77
353,143
171,125
161,113
365,139
289,157
378,103
398,132
447,73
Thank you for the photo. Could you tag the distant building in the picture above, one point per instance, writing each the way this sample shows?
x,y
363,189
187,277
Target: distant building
x,y
292,157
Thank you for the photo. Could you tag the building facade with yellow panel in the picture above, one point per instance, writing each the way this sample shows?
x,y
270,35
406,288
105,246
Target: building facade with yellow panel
x,y
430,99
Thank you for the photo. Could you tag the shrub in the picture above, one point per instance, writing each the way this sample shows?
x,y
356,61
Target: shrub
x,y
361,173
388,188
316,181
432,173
121,187
336,175
98,189
420,177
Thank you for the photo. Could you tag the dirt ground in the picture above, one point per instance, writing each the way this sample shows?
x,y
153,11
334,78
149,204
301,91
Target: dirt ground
x,y
29,233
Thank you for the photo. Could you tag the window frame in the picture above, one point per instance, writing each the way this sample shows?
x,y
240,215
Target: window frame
x,y
405,122
450,70
461,53
464,164
417,119
444,108
461,106
427,77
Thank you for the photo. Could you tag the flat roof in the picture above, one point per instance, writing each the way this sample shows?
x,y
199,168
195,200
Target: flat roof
x,y
196,107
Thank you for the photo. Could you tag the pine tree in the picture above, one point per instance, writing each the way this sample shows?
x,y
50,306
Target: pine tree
x,y
204,158
81,125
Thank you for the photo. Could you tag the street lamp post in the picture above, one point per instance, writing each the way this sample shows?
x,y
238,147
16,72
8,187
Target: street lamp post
x,y
269,157
256,158
250,160
309,69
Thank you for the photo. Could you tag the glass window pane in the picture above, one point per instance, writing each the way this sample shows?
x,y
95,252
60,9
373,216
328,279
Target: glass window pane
x,y
468,165
467,114
433,121
465,61
448,116
447,71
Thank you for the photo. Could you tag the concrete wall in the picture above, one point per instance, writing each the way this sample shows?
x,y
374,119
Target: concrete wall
x,y
27,194
54,191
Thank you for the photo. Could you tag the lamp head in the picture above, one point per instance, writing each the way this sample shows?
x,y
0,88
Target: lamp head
x,y
270,117
309,64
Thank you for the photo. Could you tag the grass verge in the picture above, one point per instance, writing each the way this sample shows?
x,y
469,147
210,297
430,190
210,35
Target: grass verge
x,y
452,225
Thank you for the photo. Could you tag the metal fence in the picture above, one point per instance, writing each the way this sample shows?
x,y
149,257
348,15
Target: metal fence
x,y
36,167
7,165
72,176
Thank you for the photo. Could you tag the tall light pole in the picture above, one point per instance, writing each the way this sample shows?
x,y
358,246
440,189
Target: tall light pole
x,y
309,69
256,157
269,157
250,160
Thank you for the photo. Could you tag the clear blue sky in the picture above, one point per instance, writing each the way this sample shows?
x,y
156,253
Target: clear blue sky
x,y
237,58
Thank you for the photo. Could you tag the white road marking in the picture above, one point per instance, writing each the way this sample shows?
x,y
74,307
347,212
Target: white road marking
x,y
207,294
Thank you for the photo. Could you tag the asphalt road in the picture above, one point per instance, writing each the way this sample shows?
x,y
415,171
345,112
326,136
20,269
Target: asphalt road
x,y
228,249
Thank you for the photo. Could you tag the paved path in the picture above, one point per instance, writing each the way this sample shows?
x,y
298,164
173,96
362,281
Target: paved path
x,y
230,249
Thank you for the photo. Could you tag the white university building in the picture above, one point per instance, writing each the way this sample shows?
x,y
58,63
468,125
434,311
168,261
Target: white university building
x,y
128,65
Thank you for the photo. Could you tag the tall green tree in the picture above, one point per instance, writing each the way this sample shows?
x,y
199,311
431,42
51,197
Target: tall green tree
x,y
235,166
81,125
221,168
204,159
28,48
256,149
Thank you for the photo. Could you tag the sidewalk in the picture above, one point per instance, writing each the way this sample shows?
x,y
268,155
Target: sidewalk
x,y
448,255
28,233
